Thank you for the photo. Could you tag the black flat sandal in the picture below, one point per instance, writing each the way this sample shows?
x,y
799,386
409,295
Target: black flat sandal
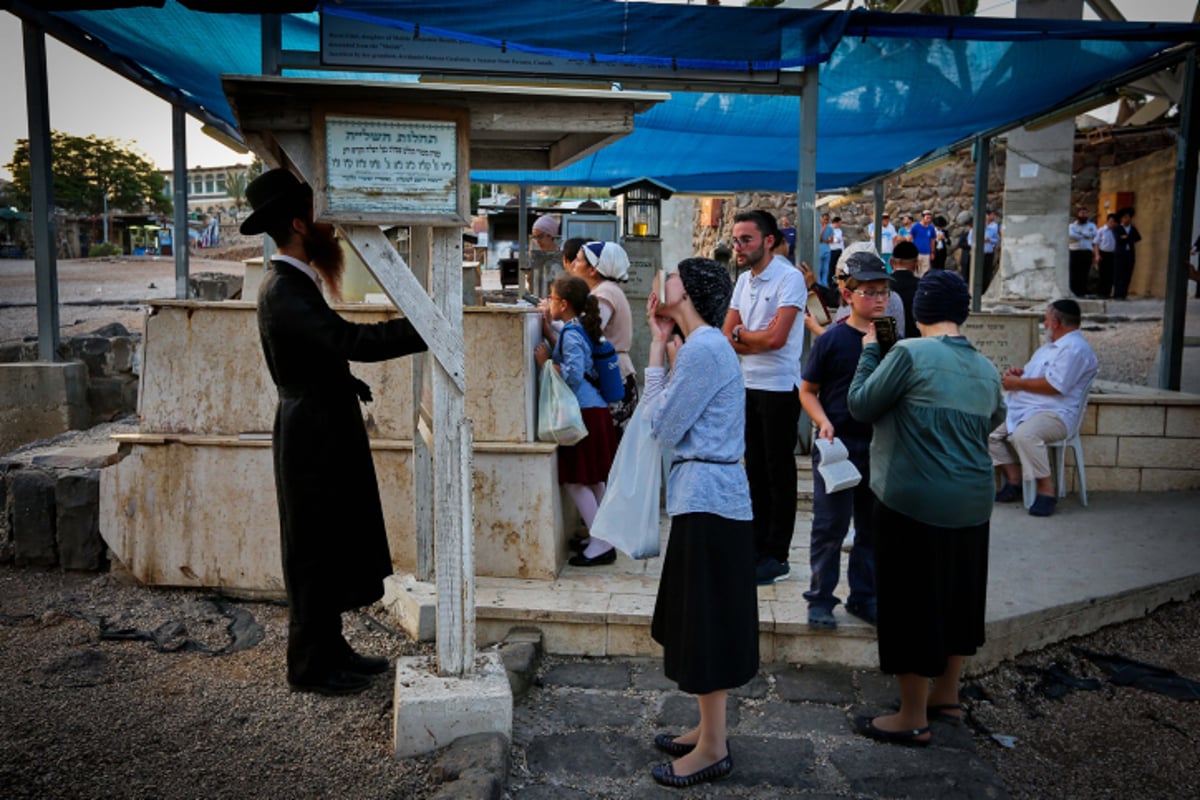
x,y
666,742
665,773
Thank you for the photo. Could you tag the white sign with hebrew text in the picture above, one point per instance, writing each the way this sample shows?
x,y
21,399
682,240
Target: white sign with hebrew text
x,y
396,166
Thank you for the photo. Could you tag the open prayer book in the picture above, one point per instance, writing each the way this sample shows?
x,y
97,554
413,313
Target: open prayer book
x,y
836,468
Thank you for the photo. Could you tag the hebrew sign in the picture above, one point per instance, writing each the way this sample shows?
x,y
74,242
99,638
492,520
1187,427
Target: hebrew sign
x,y
381,169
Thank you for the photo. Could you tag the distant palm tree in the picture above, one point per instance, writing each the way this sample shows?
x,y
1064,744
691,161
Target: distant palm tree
x,y
235,186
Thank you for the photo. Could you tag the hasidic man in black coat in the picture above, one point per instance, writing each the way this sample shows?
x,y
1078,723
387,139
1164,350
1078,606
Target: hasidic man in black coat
x,y
335,549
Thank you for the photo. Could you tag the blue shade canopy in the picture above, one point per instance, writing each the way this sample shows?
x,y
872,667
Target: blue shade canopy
x,y
882,102
892,86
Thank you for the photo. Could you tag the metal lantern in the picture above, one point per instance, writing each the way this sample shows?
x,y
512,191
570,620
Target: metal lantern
x,y
642,199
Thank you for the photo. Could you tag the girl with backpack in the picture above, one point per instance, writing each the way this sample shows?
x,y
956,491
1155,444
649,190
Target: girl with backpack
x,y
583,467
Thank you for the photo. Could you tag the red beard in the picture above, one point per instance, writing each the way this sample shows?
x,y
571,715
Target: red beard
x,y
325,255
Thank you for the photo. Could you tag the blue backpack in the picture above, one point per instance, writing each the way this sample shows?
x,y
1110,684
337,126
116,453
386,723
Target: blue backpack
x,y
605,374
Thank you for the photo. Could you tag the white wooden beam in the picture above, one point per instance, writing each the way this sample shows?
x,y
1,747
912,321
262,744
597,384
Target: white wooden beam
x,y
422,461
444,339
453,525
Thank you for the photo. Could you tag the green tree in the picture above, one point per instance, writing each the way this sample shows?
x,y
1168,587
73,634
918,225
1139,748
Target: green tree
x,y
89,167
236,181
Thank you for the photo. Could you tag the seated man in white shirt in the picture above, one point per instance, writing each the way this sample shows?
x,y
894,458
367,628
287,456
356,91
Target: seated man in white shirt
x,y
1044,399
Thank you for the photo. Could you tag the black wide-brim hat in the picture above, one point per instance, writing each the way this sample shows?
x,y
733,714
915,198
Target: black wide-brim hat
x,y
276,196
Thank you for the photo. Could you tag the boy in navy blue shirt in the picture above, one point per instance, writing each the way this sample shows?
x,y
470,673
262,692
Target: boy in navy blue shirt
x,y
823,389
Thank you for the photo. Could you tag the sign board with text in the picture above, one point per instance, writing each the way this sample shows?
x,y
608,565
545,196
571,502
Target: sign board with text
x,y
362,44
1007,340
391,170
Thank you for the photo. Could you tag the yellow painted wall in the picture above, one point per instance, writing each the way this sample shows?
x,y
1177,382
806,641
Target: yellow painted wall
x,y
1152,179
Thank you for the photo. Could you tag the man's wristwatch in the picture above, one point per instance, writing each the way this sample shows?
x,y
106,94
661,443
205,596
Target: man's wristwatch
x,y
737,333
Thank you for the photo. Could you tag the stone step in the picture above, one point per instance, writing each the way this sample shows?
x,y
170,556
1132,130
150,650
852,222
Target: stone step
x,y
589,614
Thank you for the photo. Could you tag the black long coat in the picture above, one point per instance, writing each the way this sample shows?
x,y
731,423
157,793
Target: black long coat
x,y
335,550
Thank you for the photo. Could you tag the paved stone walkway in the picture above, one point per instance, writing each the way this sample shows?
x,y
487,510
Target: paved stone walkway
x,y
585,730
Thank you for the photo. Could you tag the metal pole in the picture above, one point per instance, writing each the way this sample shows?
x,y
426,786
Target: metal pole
x,y
522,231
182,243
41,182
806,182
983,157
272,43
879,218
104,200
1170,355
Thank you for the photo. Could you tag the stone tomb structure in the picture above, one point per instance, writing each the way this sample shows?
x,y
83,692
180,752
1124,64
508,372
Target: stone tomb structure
x,y
376,154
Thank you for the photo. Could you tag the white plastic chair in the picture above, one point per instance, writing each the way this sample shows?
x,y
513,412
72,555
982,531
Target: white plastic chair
x,y
1059,451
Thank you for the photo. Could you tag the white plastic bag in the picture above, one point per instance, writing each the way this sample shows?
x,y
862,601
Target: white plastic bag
x,y
559,417
628,514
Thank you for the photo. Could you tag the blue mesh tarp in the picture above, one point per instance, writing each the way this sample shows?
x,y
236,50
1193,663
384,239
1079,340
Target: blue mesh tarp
x,y
922,94
892,86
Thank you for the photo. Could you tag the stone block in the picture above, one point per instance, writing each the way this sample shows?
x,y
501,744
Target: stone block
x,y
432,711
485,751
631,640
33,517
571,639
93,351
123,353
1100,451
1132,420
815,684
414,605
589,675
1168,480
76,527
1087,426
1183,422
80,456
1134,451
1113,479
520,661
108,397
39,400
587,758
759,764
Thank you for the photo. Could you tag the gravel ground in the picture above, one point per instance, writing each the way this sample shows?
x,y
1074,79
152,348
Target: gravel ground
x,y
87,717
91,713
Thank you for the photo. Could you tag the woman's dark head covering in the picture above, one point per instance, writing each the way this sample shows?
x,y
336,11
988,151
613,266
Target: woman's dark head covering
x,y
942,296
708,286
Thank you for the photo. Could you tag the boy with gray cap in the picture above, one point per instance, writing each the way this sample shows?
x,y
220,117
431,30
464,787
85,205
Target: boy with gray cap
x,y
823,394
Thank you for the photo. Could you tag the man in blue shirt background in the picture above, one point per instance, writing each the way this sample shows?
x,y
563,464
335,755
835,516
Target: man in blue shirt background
x,y
922,236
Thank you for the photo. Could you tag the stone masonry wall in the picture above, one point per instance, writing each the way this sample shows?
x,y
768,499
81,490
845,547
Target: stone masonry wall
x,y
112,357
947,190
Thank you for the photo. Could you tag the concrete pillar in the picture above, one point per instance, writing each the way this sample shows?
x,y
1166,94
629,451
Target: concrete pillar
x,y
1037,210
39,400
1037,195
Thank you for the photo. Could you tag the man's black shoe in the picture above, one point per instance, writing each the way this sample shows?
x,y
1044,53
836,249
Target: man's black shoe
x,y
366,665
338,683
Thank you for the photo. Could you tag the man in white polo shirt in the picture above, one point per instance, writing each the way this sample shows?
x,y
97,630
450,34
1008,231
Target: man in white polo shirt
x,y
1044,401
763,326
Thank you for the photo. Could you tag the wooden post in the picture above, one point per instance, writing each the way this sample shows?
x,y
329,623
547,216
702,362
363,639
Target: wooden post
x,y
439,319
420,255
453,525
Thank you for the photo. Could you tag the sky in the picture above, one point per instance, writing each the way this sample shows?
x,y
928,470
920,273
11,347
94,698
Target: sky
x,y
86,98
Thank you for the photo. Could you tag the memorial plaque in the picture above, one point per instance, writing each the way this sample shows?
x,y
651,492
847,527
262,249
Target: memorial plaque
x,y
1007,340
391,170
641,277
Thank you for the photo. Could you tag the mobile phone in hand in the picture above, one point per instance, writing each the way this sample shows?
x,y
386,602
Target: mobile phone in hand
x,y
885,332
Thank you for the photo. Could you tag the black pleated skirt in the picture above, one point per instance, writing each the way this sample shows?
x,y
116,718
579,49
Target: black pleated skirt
x,y
706,614
931,586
